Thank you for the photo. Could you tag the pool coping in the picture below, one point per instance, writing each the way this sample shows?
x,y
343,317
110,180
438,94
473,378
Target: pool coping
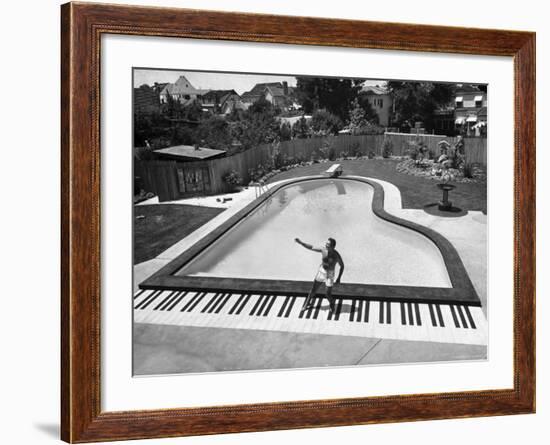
x,y
461,292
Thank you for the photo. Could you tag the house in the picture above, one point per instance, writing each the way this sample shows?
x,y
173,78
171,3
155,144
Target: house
x,y
444,120
182,91
222,101
277,93
470,111
381,102
146,100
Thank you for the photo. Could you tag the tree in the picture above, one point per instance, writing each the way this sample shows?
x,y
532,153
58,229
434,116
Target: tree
x,y
332,94
285,132
417,101
324,123
301,129
215,133
370,114
359,123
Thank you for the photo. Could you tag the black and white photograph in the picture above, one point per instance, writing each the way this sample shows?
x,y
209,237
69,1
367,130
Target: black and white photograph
x,y
284,221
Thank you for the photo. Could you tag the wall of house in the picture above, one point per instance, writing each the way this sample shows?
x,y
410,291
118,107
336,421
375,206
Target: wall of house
x,y
384,110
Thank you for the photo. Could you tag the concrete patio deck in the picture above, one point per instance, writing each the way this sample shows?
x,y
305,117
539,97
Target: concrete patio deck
x,y
161,349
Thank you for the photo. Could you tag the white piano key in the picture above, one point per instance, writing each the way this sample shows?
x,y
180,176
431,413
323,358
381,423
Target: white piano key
x,y
244,319
271,320
426,326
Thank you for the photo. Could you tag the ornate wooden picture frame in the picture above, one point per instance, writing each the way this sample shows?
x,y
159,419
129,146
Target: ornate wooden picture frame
x,y
82,25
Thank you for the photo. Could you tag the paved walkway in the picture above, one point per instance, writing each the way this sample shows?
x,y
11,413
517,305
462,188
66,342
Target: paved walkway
x,y
160,349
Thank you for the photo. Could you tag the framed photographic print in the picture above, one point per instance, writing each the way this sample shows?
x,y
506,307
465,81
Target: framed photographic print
x,y
261,214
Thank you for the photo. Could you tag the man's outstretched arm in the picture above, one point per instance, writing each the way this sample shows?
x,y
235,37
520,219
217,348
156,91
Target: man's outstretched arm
x,y
307,246
341,264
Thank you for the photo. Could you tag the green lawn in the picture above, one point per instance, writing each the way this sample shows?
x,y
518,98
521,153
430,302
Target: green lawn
x,y
416,192
165,225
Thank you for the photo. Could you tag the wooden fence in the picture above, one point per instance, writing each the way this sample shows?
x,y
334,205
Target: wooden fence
x,y
161,177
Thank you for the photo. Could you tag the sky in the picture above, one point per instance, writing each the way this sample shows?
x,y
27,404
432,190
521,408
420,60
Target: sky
x,y
214,80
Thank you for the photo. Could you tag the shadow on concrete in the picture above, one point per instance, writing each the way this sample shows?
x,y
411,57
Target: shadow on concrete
x,y
49,429
453,212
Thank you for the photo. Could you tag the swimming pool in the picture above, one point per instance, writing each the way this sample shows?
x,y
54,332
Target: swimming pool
x,y
375,251
387,257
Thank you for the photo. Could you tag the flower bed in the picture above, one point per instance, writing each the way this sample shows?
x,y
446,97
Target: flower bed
x,y
429,169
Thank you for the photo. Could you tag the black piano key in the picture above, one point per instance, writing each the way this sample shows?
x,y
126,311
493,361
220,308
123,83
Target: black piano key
x,y
283,307
263,305
367,310
147,299
318,308
439,316
339,309
197,301
151,300
359,310
417,310
138,293
190,302
258,302
352,310
234,307
454,316
268,308
167,301
403,315
243,304
432,315
462,318
470,318
289,308
222,304
176,301
381,313
211,302
410,313
388,312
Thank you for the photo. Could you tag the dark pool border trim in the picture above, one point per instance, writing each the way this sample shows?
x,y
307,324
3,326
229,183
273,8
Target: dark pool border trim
x,y
461,292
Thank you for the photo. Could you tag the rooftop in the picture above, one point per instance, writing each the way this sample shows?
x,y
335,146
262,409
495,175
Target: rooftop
x,y
189,151
369,89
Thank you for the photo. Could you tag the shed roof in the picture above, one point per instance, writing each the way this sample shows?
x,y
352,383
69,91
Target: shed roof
x,y
189,151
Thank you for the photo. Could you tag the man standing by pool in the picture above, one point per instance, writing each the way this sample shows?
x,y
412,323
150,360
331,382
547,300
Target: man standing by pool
x,y
330,257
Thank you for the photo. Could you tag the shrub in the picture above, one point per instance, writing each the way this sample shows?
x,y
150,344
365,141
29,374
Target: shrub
x,y
345,154
468,170
355,149
233,179
387,148
371,154
326,151
457,160
301,129
324,123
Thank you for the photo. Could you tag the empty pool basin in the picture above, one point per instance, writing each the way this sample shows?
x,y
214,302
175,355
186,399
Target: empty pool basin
x,y
375,251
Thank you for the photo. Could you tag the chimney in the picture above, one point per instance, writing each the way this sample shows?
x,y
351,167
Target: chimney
x,y
285,88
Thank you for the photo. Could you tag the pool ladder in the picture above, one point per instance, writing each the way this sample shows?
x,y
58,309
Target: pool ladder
x,y
261,188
